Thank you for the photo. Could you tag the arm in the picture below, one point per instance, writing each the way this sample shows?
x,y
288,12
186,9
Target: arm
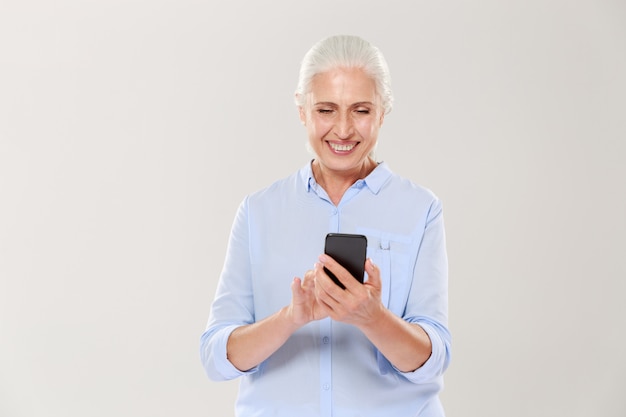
x,y
251,344
405,345
419,338
237,339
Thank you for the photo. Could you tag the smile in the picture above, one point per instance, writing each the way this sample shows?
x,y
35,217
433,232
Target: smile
x,y
343,147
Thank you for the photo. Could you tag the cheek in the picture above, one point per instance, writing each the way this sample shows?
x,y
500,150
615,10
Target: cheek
x,y
318,126
367,128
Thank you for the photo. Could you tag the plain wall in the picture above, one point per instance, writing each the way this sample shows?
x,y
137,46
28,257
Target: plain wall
x,y
131,130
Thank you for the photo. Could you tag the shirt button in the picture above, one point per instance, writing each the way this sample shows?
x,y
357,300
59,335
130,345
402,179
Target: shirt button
x,y
326,339
334,212
326,387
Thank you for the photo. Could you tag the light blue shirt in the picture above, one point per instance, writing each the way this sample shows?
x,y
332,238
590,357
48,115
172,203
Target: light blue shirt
x,y
329,368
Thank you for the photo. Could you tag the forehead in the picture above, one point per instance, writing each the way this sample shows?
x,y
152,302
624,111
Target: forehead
x,y
343,85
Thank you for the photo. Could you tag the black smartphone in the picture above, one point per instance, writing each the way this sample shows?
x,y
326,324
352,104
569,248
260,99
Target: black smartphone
x,y
350,251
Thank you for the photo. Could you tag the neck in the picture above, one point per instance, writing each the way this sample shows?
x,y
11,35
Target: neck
x,y
335,183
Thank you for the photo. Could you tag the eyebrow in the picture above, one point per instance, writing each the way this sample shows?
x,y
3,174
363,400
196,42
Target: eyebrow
x,y
330,103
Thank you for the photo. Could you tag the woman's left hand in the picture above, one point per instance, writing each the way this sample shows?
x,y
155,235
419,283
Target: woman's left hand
x,y
359,304
406,345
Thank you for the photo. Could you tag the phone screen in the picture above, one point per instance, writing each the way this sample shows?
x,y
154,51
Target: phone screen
x,y
349,250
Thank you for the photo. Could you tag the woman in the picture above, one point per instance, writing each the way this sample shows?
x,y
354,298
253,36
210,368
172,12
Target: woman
x,y
304,346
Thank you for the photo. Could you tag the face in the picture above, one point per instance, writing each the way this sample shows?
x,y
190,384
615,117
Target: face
x,y
342,115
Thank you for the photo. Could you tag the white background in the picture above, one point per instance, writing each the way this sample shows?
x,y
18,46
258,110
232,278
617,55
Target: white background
x,y
131,130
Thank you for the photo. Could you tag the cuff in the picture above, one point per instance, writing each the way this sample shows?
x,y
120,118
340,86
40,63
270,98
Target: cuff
x,y
215,359
436,364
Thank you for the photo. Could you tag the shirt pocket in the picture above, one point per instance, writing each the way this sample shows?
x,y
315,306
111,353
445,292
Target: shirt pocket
x,y
393,254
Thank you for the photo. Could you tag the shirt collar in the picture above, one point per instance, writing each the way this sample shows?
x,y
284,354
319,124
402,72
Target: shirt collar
x,y
374,181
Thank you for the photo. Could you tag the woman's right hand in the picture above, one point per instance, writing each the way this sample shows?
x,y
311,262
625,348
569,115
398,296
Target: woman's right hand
x,y
304,306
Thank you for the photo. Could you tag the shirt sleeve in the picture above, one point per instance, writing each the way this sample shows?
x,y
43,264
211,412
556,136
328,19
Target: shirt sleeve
x,y
233,304
427,304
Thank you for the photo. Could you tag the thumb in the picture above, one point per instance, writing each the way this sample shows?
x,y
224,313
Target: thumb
x,y
296,288
373,274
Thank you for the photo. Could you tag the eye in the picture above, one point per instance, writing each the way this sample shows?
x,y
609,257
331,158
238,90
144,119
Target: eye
x,y
324,111
363,111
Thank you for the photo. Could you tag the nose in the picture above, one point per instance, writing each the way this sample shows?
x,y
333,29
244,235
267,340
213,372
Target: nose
x,y
344,128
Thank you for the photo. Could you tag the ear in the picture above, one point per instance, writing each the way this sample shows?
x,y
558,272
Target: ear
x,y
302,115
382,119
301,111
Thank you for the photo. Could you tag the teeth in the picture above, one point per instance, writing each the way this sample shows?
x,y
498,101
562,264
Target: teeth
x,y
343,148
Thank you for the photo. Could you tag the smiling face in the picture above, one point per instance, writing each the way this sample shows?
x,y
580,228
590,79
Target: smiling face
x,y
343,115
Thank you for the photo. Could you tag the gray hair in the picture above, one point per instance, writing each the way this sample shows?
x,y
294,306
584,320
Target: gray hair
x,y
344,51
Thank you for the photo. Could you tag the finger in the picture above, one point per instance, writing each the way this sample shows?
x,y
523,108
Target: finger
x,y
373,274
296,284
320,277
338,270
326,291
296,288
323,279
309,279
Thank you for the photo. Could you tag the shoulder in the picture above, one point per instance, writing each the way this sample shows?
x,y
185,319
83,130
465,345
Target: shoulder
x,y
280,190
399,187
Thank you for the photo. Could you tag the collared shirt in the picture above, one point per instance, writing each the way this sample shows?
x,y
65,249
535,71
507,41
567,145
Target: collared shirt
x,y
328,368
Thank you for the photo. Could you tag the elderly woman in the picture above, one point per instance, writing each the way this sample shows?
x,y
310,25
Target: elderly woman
x,y
302,345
